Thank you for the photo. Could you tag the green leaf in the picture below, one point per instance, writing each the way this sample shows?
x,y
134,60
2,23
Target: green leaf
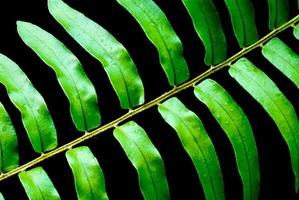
x,y
116,61
69,71
160,32
243,20
38,185
145,158
296,31
88,175
278,12
9,156
197,144
35,115
207,23
235,124
283,58
1,196
264,91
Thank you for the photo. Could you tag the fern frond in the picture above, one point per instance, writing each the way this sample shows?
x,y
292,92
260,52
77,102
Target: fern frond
x,y
197,144
145,158
278,13
70,74
283,58
35,115
160,32
243,20
151,103
9,156
116,61
237,127
264,90
208,26
38,185
88,175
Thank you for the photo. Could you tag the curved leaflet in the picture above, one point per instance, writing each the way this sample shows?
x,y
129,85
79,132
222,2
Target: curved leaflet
x,y
38,185
9,155
197,144
115,59
235,124
278,12
296,31
88,175
69,71
160,32
35,115
283,58
243,20
266,93
145,158
1,197
207,23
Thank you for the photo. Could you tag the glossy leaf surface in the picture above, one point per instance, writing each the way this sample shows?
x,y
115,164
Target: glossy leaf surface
x,y
243,20
38,185
160,32
265,92
283,58
296,31
88,175
1,197
207,23
145,158
197,144
235,124
278,12
115,59
9,155
35,115
69,71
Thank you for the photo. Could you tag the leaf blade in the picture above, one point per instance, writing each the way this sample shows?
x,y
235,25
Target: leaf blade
x,y
278,13
70,74
197,144
38,185
35,115
160,32
145,158
234,122
207,24
88,175
266,93
9,156
243,20
98,42
283,58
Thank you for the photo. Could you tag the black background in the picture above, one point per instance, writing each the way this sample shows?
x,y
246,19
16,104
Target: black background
x,y
121,180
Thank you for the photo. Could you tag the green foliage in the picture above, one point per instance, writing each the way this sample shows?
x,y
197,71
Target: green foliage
x,y
70,74
264,90
235,124
243,20
9,157
283,58
35,115
197,144
159,31
278,12
208,26
88,176
38,185
116,61
145,158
